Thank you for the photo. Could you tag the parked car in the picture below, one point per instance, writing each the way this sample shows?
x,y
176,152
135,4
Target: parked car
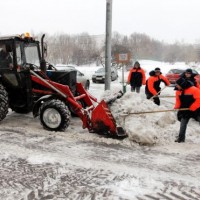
x,y
99,75
174,74
81,78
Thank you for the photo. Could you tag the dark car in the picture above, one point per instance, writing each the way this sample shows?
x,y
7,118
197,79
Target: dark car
x,y
174,74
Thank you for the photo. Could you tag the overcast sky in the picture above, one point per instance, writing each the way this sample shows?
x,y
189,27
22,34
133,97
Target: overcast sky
x,y
168,20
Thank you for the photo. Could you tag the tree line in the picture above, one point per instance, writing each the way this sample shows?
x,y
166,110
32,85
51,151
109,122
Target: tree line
x,y
141,46
85,49
71,49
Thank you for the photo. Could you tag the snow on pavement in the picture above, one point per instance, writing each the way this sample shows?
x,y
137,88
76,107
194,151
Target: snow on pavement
x,y
151,128
37,164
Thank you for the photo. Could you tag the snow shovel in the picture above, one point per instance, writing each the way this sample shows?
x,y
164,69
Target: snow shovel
x,y
158,93
154,111
124,115
166,96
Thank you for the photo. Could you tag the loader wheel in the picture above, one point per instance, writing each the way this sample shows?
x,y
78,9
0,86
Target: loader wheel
x,y
54,115
3,102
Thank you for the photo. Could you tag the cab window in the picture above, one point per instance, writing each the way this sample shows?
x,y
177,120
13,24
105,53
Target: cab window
x,y
31,53
6,56
19,55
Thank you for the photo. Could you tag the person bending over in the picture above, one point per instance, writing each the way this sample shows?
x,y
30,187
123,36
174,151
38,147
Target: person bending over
x,y
152,88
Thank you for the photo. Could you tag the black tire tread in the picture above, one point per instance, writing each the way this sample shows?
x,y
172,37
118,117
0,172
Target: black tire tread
x,y
3,102
61,108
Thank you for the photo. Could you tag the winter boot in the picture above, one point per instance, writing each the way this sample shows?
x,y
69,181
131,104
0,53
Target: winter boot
x,y
180,140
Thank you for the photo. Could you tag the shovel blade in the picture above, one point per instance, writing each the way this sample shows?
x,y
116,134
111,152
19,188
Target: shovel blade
x,y
103,121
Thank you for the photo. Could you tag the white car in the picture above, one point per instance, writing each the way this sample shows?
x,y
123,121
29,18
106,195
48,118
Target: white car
x,y
99,75
81,78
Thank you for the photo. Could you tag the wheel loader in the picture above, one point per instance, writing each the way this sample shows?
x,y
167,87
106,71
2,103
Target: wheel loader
x,y
27,86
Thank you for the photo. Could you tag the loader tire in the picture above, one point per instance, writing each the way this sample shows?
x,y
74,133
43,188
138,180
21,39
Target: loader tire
x,y
54,115
3,102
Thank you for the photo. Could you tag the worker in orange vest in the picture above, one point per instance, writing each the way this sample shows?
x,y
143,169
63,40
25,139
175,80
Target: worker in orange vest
x,y
189,75
136,77
187,96
152,88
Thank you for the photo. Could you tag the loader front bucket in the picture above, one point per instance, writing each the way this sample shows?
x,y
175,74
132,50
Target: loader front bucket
x,y
104,123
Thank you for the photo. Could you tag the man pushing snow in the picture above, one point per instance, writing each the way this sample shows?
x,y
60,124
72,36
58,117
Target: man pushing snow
x,y
187,96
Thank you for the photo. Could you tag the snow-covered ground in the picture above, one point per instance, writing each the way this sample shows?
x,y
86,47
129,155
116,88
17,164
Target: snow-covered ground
x,y
37,164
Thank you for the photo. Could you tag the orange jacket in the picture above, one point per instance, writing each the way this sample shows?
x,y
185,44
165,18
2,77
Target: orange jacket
x,y
153,83
196,82
134,71
188,98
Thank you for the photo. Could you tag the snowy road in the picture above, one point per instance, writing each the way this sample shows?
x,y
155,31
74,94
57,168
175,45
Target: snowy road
x,y
65,166
77,165
36,164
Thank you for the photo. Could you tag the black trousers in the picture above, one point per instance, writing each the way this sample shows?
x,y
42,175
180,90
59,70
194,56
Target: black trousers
x,y
134,88
156,99
183,126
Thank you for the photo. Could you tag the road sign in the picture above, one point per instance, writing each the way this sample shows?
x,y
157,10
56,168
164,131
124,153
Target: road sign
x,y
123,58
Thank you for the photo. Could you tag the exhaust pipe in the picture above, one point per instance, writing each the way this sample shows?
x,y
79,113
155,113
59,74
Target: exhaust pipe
x,y
43,62
42,45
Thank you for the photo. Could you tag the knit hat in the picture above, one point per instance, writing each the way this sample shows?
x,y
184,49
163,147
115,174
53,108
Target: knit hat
x,y
137,63
152,73
184,83
157,69
188,71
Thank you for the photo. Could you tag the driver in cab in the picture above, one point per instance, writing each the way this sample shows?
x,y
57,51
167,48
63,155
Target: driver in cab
x,y
5,57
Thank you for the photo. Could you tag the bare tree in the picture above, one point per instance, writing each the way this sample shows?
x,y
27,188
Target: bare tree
x,y
82,48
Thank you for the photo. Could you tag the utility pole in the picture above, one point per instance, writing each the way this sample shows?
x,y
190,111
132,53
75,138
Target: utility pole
x,y
108,44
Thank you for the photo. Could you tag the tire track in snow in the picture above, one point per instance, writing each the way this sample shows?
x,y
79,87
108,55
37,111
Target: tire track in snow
x,y
22,179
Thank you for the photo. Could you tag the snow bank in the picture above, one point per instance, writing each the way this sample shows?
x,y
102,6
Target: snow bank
x,y
145,129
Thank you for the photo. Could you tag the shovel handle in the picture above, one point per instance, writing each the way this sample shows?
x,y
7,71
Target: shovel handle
x,y
157,111
167,96
158,92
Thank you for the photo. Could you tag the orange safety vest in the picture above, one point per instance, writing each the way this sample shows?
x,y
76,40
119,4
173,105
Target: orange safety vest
x,y
188,98
139,75
153,83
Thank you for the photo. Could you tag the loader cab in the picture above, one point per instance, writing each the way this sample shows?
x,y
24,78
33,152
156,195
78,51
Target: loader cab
x,y
23,57
18,54
22,52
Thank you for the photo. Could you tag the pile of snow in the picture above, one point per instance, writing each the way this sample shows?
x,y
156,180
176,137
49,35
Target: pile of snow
x,y
148,129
